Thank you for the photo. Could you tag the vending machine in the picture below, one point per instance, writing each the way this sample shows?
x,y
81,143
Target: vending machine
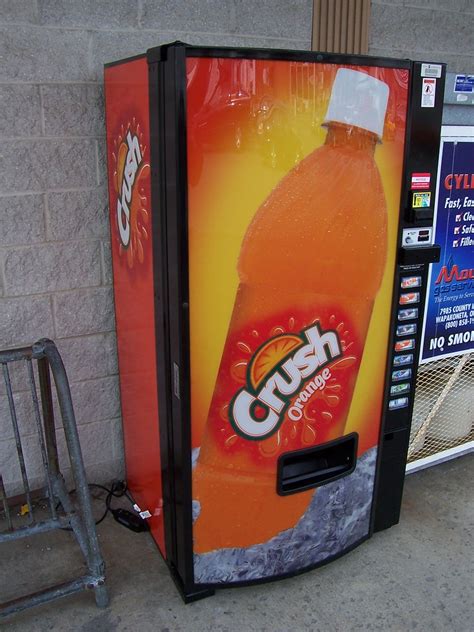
x,y
271,228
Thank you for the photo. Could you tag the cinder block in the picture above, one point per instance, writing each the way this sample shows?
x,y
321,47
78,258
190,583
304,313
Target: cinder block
x,y
18,12
84,312
102,472
51,267
18,374
246,41
193,15
89,357
459,64
21,111
392,2
33,54
97,450
78,214
110,46
453,33
24,411
95,400
443,5
107,273
85,358
117,438
274,18
269,18
11,472
392,27
73,110
455,63
92,13
48,164
387,52
95,440
102,161
21,219
25,320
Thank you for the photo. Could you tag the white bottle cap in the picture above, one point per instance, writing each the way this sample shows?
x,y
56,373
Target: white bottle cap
x,y
358,99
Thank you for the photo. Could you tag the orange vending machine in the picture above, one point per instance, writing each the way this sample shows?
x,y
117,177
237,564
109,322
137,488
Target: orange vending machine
x,y
270,219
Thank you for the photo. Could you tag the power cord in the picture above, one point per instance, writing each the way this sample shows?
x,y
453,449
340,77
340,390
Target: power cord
x,y
123,516
117,490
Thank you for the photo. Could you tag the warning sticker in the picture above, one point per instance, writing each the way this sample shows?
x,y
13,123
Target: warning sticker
x,y
420,181
428,93
145,514
421,200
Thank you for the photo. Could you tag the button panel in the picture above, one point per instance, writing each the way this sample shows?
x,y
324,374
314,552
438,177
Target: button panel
x,y
408,314
397,389
402,374
409,298
407,330
405,343
409,282
399,402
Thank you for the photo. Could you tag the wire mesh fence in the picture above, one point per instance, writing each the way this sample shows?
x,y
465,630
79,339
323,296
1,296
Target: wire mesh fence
x,y
443,414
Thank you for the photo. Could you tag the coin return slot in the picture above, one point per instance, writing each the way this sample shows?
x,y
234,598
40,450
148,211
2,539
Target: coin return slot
x,y
312,467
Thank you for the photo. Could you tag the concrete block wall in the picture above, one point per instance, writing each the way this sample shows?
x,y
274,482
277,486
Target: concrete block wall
x,y
436,30
55,276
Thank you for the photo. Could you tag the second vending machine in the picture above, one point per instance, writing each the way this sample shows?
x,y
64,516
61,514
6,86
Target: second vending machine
x,y
271,221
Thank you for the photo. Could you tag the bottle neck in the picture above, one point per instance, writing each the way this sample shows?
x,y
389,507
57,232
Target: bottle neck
x,y
341,135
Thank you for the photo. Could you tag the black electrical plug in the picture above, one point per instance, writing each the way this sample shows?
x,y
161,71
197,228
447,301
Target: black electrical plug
x,y
130,520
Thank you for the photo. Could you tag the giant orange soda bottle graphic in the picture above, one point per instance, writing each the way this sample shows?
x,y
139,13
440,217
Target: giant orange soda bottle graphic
x,y
310,266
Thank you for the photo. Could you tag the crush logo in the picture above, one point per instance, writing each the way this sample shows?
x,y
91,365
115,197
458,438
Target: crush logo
x,y
131,176
131,162
257,411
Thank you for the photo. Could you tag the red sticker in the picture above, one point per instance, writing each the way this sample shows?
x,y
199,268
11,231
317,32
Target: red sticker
x,y
420,181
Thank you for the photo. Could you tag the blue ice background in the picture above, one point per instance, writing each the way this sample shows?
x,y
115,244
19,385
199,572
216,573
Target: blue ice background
x,y
337,517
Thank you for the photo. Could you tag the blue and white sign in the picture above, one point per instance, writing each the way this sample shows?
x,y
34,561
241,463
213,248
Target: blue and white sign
x,y
448,328
464,83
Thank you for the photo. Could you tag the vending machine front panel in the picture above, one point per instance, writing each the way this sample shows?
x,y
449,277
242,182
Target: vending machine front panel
x,y
294,175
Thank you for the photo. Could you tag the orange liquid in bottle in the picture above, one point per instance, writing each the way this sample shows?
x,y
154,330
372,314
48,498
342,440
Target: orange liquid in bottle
x,y
314,252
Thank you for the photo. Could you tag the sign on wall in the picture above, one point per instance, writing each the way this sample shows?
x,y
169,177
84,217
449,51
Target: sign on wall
x,y
449,312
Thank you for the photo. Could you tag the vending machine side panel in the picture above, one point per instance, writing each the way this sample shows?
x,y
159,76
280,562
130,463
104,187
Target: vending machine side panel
x,y
131,227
